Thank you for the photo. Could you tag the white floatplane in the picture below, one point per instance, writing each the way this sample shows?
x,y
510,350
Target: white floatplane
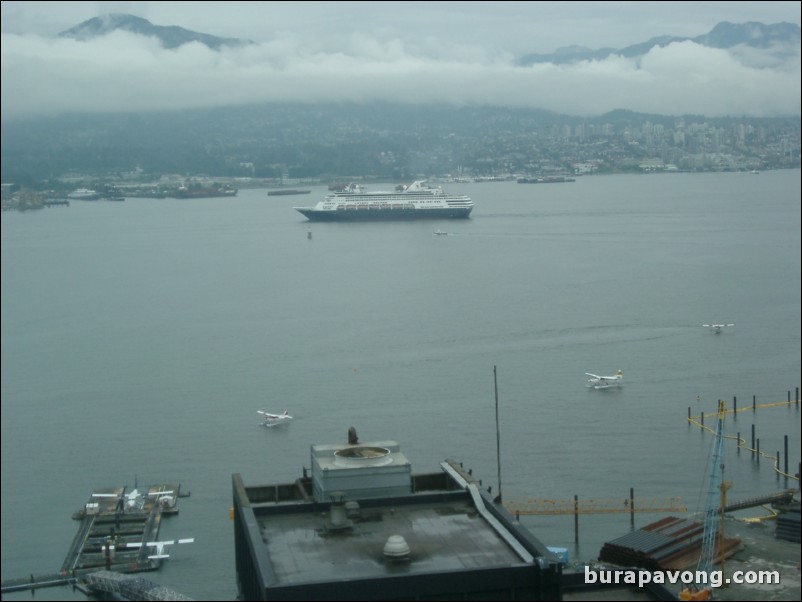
x,y
717,328
160,545
603,382
269,419
134,500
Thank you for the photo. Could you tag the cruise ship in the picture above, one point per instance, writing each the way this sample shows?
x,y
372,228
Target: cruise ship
x,y
415,201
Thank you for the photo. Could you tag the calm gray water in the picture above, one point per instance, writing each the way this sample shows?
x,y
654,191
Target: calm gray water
x,y
140,338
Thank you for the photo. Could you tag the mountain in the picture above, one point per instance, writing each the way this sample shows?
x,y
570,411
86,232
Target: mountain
x,y
170,37
724,35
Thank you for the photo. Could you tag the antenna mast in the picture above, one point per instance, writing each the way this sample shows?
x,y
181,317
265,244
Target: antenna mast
x,y
498,437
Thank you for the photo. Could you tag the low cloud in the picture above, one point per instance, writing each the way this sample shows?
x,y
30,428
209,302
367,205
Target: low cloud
x,y
124,72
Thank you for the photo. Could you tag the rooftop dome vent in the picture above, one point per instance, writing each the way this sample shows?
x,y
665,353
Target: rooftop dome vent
x,y
396,548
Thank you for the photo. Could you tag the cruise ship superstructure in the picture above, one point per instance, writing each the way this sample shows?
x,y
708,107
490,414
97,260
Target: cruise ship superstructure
x,y
415,201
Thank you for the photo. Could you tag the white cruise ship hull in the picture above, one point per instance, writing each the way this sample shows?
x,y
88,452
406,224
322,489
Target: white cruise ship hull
x,y
367,214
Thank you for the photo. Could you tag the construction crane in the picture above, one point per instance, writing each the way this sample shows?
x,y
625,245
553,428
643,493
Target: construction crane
x,y
716,492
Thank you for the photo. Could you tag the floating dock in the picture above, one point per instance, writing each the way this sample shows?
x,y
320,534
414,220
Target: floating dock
x,y
113,522
115,528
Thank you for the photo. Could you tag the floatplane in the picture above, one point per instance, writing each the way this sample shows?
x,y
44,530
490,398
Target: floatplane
x,y
717,328
269,419
604,382
135,499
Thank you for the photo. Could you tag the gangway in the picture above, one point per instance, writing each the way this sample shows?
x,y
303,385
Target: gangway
x,y
117,586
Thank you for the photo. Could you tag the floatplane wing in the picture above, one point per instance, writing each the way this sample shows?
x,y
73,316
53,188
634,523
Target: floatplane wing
x,y
601,382
160,545
163,496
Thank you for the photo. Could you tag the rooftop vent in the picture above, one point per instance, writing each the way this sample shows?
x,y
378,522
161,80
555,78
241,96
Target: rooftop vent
x,y
370,470
338,520
352,509
362,456
396,548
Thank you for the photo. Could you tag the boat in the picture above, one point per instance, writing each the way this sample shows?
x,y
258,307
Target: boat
x,y
83,194
413,201
287,192
439,232
546,180
198,192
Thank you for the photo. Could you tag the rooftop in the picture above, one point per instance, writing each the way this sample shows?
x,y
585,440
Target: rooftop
x,y
363,527
441,536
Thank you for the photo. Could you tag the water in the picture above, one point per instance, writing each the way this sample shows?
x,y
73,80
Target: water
x,y
140,338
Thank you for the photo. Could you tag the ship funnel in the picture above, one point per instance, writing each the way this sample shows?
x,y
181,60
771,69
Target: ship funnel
x,y
396,548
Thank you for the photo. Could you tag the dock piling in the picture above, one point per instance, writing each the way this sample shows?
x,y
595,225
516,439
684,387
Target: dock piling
x,y
785,466
576,519
632,507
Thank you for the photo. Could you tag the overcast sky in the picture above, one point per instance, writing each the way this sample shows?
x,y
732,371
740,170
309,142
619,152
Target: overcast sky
x,y
461,52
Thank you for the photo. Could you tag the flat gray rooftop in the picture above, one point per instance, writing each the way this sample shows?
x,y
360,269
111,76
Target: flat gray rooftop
x,y
441,535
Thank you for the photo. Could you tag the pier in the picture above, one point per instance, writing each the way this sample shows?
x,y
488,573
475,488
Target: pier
x,y
113,534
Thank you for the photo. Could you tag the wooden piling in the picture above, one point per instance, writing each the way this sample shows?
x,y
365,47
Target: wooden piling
x,y
576,519
785,466
632,506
